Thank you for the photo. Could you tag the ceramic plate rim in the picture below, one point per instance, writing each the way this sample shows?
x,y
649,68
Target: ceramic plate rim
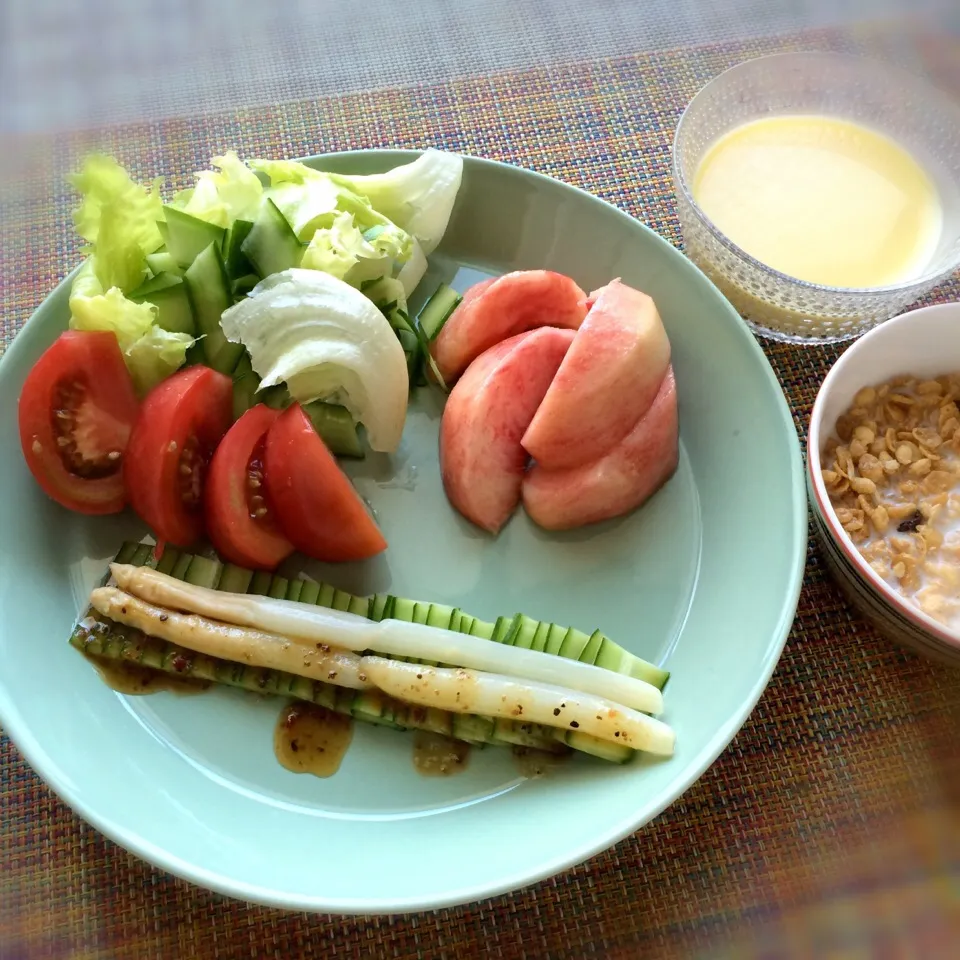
x,y
204,877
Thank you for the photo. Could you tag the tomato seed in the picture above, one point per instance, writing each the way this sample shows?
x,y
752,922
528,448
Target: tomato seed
x,y
68,399
192,469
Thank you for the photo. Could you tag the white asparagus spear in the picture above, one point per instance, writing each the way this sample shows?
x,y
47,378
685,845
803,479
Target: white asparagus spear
x,y
316,661
393,637
472,691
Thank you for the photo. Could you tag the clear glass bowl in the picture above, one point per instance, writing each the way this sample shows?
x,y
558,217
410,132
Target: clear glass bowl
x,y
886,99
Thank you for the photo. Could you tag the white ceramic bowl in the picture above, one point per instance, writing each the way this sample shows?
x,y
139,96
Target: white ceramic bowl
x,y
923,343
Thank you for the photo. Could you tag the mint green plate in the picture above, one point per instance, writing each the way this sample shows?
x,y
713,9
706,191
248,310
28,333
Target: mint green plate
x,y
703,579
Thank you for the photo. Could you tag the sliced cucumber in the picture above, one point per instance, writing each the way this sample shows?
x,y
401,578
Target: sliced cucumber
x,y
259,583
209,289
611,752
336,427
385,292
163,262
168,293
278,588
436,311
523,637
309,591
204,572
271,245
243,285
574,643
186,235
245,383
234,258
408,338
235,579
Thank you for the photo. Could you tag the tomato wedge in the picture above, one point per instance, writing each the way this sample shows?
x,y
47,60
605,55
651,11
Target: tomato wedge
x,y
239,519
180,424
315,503
76,410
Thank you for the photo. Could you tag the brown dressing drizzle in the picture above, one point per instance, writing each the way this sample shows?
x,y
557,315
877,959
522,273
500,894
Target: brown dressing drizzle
x,y
135,680
534,763
311,739
438,756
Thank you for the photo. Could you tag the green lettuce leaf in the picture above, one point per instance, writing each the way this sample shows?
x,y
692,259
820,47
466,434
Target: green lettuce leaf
x,y
229,192
156,355
94,308
102,181
311,200
418,197
118,218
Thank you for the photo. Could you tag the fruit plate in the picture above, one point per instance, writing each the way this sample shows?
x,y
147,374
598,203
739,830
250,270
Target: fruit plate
x,y
703,579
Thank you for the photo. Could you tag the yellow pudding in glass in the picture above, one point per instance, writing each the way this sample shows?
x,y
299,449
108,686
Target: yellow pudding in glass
x,y
821,199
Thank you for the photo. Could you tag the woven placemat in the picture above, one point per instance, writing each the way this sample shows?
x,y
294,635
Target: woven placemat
x,y
829,828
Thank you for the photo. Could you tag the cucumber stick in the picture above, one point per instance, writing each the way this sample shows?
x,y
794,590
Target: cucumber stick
x,y
209,289
271,245
234,258
163,262
168,293
186,235
437,310
332,421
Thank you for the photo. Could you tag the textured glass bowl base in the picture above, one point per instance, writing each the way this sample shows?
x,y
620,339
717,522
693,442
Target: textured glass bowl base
x,y
775,321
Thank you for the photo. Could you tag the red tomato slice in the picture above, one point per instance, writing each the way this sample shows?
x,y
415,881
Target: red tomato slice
x,y
316,505
76,410
180,424
239,519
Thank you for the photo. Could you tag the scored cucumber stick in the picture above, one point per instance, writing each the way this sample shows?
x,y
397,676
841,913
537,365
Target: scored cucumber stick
x,y
436,311
245,384
331,421
209,289
163,262
234,258
186,235
168,293
271,245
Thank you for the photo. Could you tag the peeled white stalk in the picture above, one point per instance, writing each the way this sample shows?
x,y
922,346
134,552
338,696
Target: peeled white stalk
x,y
300,621
393,637
402,639
493,695
239,644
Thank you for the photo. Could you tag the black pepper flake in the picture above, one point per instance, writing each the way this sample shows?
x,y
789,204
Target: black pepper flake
x,y
163,618
616,733
574,724
123,610
419,676
911,523
556,711
294,746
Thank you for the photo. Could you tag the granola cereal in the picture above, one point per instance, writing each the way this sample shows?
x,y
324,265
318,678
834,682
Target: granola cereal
x,y
892,470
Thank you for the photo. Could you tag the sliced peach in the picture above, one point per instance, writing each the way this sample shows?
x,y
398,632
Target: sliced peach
x,y
481,460
502,308
606,382
617,482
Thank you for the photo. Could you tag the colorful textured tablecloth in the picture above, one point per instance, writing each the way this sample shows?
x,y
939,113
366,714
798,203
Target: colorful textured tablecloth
x,y
831,825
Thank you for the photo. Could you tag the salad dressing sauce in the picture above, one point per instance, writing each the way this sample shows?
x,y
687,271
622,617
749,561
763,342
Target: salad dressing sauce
x,y
438,756
311,739
532,763
134,680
